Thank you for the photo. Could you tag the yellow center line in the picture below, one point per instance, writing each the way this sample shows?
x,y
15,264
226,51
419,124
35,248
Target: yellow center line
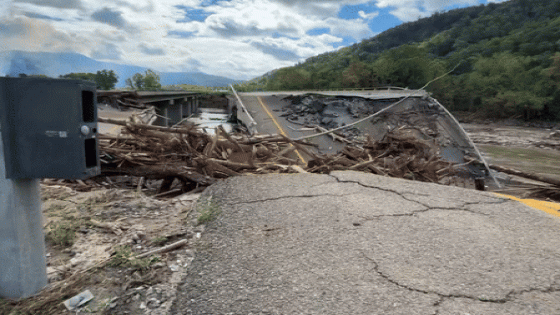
x,y
548,207
278,126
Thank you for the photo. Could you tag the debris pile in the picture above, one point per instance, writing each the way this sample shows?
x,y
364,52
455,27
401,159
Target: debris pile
x,y
401,153
192,156
197,159
120,98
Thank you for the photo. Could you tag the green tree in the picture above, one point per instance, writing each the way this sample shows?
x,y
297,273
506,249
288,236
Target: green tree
x,y
509,85
291,78
358,75
405,66
554,70
147,81
553,73
151,80
106,79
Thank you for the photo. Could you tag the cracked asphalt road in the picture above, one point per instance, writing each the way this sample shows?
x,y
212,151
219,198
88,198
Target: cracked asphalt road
x,y
355,243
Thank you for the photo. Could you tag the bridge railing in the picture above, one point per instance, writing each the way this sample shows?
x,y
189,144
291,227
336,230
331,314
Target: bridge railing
x,y
252,125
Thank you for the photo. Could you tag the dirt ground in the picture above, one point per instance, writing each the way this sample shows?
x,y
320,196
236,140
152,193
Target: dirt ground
x,y
92,239
528,149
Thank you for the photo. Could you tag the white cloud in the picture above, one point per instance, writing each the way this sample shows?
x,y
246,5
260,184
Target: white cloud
x,y
410,10
236,38
368,16
23,33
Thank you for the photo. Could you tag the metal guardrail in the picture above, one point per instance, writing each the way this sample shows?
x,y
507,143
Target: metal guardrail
x,y
378,88
253,125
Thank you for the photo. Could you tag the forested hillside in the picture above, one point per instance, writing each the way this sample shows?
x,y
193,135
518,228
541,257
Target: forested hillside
x,y
507,59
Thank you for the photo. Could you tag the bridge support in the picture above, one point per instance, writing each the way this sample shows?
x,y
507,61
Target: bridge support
x,y
173,112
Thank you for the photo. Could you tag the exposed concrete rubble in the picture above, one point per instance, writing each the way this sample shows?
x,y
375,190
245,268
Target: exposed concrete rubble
x,y
428,122
432,124
330,112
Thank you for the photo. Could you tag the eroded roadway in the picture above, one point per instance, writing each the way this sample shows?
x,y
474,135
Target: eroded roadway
x,y
266,110
356,243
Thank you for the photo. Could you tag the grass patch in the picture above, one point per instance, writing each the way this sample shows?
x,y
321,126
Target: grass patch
x,y
124,257
199,88
208,210
160,240
55,208
62,233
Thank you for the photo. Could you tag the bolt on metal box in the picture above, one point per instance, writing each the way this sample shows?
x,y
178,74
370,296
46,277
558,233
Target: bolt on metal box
x,y
49,128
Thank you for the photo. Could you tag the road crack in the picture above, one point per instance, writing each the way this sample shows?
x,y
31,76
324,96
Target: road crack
x,y
289,197
428,207
440,295
511,296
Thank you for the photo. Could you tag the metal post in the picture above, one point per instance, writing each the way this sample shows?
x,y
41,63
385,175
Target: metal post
x,y
23,266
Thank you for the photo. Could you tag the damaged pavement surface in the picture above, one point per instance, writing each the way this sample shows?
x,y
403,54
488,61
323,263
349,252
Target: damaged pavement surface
x,y
355,243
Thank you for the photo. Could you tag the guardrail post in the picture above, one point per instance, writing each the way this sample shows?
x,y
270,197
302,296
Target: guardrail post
x,y
23,266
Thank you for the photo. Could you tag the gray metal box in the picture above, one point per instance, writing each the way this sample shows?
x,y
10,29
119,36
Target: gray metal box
x,y
49,128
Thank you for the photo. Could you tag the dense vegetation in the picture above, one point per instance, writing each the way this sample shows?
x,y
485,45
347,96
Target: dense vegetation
x,y
506,59
105,79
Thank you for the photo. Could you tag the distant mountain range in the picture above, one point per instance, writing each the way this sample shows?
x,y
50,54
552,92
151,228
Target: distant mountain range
x,y
13,63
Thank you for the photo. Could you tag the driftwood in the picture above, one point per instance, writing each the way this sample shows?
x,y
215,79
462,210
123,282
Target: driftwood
x,y
160,172
191,155
333,135
114,228
532,176
198,159
164,249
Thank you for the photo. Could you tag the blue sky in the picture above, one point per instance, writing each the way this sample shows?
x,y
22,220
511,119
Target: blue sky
x,y
240,39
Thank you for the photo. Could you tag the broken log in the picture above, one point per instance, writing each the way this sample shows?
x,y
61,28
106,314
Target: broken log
x,y
160,172
188,131
164,249
532,176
